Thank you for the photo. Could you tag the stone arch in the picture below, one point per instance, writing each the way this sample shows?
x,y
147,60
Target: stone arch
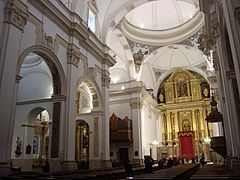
x,y
59,79
93,86
34,112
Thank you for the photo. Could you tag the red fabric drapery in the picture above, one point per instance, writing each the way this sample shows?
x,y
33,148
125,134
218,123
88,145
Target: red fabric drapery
x,y
186,143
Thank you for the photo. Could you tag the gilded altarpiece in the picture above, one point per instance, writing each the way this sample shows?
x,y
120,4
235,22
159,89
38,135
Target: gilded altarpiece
x,y
184,101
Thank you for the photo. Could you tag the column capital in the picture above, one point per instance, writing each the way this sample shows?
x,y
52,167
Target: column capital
x,y
16,14
73,55
136,103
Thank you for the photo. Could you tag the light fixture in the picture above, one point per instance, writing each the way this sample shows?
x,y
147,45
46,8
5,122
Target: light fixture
x,y
155,142
207,140
122,87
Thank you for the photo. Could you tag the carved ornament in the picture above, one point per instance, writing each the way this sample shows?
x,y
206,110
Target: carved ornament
x,y
15,14
105,78
73,55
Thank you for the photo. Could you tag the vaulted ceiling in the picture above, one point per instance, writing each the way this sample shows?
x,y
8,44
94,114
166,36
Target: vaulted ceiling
x,y
166,31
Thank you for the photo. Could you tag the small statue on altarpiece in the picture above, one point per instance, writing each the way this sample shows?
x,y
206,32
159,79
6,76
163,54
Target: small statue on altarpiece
x,y
18,151
182,89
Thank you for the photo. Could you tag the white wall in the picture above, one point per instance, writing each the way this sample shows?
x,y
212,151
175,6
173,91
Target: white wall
x,y
121,110
149,129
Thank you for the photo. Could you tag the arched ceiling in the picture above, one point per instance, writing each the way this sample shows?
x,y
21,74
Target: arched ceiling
x,y
157,16
174,56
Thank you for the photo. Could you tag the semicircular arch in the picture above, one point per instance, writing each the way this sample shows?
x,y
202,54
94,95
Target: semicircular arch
x,y
53,63
92,84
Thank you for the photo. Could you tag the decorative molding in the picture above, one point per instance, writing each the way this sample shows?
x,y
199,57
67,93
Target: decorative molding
x,y
57,98
76,27
39,28
216,64
105,78
48,41
92,72
59,41
136,103
73,55
16,14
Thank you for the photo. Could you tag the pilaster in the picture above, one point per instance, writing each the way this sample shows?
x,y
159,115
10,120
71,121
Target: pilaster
x,y
105,121
73,59
15,20
136,107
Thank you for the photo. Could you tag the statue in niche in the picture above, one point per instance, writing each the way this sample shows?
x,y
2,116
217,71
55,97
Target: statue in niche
x,y
161,98
182,89
186,125
85,141
19,147
205,92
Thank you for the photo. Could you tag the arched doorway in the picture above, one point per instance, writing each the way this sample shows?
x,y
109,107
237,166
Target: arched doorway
x,y
39,87
82,144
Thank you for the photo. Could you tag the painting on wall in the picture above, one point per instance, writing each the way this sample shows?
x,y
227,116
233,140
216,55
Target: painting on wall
x,y
35,145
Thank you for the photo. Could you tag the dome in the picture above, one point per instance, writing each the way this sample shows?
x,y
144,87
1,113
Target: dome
x,y
175,56
162,15
163,22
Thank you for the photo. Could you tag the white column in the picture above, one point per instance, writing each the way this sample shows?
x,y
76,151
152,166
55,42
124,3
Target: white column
x,y
105,120
136,107
9,53
73,60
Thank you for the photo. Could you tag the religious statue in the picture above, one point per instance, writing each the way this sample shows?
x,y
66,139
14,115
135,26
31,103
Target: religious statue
x,y
186,125
205,92
18,147
182,89
161,98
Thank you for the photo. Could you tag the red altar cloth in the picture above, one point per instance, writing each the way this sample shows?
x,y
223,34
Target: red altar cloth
x,y
186,144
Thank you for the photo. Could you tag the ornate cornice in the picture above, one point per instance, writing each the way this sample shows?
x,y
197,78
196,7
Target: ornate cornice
x,y
16,14
73,25
73,55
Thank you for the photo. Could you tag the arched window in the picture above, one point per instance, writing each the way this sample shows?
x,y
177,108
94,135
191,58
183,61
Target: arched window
x,y
92,15
91,20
